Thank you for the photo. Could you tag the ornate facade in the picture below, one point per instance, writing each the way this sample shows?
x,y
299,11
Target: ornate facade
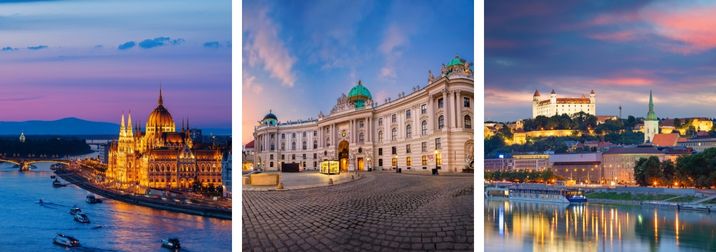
x,y
160,157
557,106
432,127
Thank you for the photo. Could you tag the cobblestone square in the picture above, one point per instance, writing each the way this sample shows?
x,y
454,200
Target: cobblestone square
x,y
380,212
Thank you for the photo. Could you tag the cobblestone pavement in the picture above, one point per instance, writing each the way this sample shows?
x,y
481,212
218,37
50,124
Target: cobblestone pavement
x,y
381,212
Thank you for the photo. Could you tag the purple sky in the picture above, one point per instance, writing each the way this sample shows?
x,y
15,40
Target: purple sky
x,y
621,49
94,60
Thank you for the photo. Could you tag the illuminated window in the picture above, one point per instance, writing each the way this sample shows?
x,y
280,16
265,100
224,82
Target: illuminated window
x,y
438,158
408,162
394,162
424,160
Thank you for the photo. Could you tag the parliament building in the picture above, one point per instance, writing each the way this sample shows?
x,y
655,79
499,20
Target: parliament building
x,y
160,157
431,127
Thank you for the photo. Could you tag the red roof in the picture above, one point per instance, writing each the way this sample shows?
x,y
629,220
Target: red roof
x,y
573,100
664,140
249,145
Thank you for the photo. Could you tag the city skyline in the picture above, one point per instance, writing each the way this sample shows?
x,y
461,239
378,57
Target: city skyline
x,y
291,55
95,60
633,47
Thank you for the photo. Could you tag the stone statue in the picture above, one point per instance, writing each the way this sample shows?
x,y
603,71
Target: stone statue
x,y
443,70
431,78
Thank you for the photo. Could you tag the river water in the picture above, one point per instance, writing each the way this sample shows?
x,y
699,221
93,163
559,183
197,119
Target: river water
x,y
527,226
26,225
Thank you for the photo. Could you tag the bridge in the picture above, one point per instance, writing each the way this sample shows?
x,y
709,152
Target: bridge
x,y
25,162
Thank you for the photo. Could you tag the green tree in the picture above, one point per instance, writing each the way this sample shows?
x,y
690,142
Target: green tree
x,y
669,171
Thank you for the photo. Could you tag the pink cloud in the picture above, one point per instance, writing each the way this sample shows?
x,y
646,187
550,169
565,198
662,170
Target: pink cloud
x,y
693,26
615,18
264,46
625,81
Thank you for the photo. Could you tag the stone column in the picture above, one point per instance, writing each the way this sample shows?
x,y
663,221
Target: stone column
x,y
431,116
446,105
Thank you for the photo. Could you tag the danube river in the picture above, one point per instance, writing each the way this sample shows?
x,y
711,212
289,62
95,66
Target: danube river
x,y
526,226
115,226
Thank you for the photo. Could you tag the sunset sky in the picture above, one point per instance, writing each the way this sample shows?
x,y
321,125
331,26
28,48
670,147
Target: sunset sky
x,y
621,49
96,59
300,56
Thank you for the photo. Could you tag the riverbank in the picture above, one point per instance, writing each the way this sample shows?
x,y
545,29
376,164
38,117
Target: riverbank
x,y
213,212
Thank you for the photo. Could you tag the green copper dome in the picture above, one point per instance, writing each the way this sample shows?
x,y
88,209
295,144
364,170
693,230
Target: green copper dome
x,y
456,61
651,115
359,94
270,119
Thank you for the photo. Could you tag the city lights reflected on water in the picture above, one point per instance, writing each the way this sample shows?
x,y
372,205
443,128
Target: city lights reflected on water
x,y
115,225
529,226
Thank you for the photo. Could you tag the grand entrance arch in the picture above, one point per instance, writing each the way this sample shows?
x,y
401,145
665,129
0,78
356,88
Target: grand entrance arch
x,y
343,155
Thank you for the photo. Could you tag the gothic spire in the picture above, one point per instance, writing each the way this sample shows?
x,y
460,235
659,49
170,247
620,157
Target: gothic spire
x,y
161,101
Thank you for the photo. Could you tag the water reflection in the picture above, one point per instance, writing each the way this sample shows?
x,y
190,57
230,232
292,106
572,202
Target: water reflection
x,y
528,226
116,226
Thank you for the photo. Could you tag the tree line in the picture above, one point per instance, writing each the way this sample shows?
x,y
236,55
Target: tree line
x,y
522,176
697,170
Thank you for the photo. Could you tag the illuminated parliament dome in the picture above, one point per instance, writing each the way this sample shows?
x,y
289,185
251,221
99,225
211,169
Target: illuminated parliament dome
x,y
160,120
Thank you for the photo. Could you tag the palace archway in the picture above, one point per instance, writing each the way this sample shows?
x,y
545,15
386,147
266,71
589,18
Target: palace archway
x,y
343,155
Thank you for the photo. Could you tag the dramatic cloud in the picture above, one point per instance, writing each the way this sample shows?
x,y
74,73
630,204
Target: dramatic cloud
x,y
251,85
212,44
37,47
394,40
265,47
126,45
692,25
160,41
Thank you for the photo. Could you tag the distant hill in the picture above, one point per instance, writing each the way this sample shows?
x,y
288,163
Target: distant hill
x,y
74,126
65,126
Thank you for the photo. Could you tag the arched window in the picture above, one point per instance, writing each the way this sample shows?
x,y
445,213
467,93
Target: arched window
x,y
468,122
408,131
360,137
393,134
380,136
441,122
424,128
293,145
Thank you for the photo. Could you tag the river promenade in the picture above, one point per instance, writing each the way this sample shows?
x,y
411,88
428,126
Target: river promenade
x,y
157,203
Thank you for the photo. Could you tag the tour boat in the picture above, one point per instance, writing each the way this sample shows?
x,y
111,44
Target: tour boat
x,y
75,210
93,199
57,183
548,195
66,240
82,218
171,243
497,192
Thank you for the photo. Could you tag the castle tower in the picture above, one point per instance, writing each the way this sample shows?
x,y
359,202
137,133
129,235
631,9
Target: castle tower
x,y
651,123
593,102
552,110
535,103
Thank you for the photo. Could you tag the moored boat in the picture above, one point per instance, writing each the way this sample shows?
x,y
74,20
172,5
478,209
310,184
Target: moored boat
x,y
57,183
548,195
92,199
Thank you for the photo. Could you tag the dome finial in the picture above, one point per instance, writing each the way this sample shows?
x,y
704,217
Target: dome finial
x,y
161,101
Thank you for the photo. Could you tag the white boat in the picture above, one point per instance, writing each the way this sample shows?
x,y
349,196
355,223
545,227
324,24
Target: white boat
x,y
171,243
93,199
66,240
549,195
81,218
75,210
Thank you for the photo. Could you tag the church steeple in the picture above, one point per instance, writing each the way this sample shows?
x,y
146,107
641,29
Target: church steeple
x,y
129,124
122,126
651,115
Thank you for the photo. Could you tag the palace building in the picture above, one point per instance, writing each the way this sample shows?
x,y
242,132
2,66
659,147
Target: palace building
x,y
160,157
557,106
431,127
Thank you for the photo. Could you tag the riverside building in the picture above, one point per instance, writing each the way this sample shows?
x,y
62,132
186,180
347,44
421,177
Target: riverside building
x,y
160,157
432,127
